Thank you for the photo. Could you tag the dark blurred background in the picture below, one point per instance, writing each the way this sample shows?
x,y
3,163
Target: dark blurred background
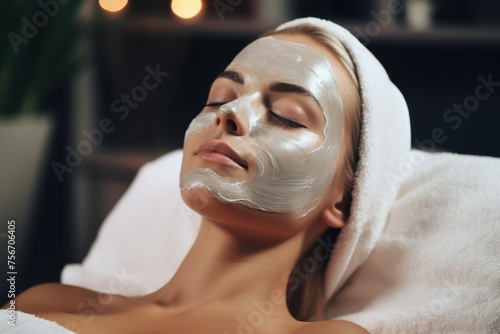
x,y
77,119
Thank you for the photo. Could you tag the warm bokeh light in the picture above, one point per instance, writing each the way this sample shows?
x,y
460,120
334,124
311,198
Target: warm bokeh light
x,y
186,9
113,5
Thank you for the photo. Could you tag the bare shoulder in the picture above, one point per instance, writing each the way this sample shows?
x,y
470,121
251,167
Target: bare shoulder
x,y
332,327
49,297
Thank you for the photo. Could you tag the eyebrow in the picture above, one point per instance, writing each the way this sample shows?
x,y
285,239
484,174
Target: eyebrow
x,y
279,87
234,76
283,87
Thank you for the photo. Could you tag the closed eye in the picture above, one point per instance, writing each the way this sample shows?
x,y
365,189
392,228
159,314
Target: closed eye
x,y
215,104
284,121
274,117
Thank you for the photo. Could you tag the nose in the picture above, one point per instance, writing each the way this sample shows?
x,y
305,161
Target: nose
x,y
231,121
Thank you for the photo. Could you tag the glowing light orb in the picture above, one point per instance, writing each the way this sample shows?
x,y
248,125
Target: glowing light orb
x,y
113,5
186,9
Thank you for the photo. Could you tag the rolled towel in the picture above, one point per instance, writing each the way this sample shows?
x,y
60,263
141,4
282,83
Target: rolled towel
x,y
24,323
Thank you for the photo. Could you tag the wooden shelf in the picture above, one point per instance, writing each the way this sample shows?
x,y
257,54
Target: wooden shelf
x,y
176,27
439,35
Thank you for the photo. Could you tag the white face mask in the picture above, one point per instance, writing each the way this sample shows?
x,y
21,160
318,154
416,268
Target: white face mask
x,y
294,169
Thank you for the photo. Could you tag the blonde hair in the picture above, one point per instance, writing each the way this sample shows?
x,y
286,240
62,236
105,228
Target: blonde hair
x,y
306,300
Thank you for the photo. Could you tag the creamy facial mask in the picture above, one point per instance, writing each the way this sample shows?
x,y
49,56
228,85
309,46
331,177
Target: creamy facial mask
x,y
293,170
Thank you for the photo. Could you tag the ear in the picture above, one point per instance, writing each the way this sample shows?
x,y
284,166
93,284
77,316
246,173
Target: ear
x,y
333,215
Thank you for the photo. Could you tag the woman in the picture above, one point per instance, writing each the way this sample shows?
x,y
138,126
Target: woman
x,y
269,164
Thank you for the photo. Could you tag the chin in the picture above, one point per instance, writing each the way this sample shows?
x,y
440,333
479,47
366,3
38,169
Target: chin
x,y
208,206
241,219
198,199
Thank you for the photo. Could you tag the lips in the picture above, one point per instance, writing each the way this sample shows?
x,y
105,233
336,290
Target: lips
x,y
219,152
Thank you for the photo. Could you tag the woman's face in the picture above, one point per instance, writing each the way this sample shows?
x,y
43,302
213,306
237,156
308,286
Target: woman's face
x,y
270,133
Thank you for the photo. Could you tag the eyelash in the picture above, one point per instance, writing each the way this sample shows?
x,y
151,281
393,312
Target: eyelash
x,y
284,121
214,104
274,117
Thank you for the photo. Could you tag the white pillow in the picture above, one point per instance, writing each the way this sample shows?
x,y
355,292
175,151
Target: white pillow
x,y
145,237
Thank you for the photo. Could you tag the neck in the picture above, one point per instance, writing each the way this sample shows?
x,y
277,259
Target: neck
x,y
236,275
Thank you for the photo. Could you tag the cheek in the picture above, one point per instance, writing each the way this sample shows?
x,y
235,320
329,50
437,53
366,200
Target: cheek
x,y
281,154
192,141
297,148
200,122
195,132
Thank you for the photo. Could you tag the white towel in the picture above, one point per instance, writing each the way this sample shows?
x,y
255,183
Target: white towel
x,y
384,146
29,324
436,267
149,222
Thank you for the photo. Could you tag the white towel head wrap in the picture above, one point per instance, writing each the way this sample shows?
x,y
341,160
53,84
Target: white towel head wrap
x,y
384,147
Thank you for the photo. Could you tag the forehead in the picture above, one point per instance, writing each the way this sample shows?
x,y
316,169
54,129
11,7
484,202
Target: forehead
x,y
287,62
